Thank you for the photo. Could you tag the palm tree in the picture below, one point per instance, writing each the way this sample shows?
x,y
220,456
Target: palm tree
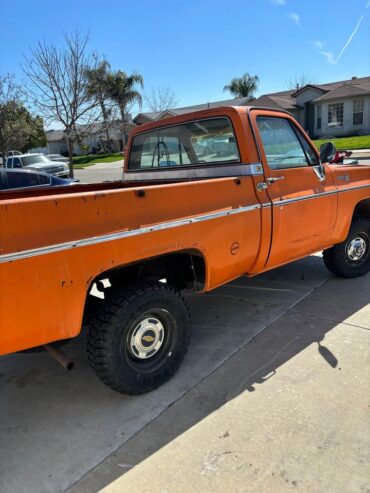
x,y
243,86
98,85
123,91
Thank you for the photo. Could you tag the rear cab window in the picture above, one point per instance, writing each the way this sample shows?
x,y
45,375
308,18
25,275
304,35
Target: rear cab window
x,y
284,146
199,142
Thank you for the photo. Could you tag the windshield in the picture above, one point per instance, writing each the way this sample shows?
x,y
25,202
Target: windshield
x,y
196,142
28,160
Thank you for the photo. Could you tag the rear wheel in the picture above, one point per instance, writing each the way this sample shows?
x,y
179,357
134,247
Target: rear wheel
x,y
351,258
139,338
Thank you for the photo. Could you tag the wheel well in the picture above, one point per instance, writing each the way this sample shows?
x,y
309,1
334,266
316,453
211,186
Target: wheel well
x,y
362,208
182,270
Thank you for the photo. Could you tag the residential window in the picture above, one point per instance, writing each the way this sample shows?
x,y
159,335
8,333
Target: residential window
x,y
335,115
358,111
318,116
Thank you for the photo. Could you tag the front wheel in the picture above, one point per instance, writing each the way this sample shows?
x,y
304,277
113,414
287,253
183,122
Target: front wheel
x,y
351,258
139,338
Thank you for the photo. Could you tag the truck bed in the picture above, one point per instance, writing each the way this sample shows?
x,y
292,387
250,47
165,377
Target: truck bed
x,y
54,246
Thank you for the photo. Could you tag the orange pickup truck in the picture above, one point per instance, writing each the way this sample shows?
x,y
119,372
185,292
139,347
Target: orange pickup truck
x,y
205,198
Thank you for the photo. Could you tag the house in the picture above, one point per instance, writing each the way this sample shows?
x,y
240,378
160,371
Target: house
x,y
92,137
159,115
324,110
327,110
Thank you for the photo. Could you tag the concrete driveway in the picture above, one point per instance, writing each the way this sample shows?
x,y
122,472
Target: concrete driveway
x,y
273,396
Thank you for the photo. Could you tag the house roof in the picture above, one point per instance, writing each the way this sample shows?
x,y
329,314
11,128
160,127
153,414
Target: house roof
x,y
55,135
158,115
332,90
283,99
97,128
349,89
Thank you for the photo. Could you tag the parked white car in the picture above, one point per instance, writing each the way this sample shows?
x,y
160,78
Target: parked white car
x,y
38,162
57,157
10,153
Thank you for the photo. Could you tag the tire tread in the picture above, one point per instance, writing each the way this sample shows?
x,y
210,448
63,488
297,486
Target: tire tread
x,y
99,334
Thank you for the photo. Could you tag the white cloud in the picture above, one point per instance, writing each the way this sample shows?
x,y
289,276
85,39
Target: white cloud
x,y
280,2
329,55
319,45
296,18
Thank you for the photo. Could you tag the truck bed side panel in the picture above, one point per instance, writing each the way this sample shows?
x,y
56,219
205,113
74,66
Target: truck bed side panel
x,y
47,273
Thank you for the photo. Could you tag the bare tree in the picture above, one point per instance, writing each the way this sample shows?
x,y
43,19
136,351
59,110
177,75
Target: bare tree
x,y
161,98
58,87
299,81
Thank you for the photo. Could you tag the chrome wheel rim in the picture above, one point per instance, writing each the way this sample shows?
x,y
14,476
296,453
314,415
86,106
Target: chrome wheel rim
x,y
146,338
357,248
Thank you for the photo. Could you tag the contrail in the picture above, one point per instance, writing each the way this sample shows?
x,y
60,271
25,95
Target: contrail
x,y
349,40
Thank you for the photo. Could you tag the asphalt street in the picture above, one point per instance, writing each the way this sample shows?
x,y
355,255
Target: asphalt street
x,y
100,172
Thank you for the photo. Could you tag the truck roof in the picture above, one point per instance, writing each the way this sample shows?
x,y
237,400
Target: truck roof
x,y
221,110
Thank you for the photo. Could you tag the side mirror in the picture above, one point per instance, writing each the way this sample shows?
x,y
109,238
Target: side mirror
x,y
327,152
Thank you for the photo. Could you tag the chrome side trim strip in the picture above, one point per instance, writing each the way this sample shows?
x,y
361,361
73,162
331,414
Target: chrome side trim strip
x,y
190,173
316,195
10,257
358,187
305,197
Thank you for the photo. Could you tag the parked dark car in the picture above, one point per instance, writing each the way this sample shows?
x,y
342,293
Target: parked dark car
x,y
21,178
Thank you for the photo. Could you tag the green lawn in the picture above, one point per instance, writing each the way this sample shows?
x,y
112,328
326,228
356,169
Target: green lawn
x,y
90,159
347,143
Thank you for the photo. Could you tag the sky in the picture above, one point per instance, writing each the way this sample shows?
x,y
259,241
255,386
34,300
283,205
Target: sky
x,y
197,46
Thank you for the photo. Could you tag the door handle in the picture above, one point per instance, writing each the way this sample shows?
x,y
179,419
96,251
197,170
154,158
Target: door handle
x,y
273,179
269,181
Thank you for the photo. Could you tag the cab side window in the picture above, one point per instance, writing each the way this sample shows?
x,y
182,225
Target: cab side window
x,y
283,147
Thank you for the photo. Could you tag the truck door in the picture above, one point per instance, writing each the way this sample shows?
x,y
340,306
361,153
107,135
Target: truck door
x,y
302,194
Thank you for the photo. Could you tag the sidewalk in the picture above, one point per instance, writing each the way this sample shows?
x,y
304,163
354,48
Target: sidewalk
x,y
290,411
361,154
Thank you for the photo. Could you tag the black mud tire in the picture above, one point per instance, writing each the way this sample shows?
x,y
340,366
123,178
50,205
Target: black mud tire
x,y
112,329
337,258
